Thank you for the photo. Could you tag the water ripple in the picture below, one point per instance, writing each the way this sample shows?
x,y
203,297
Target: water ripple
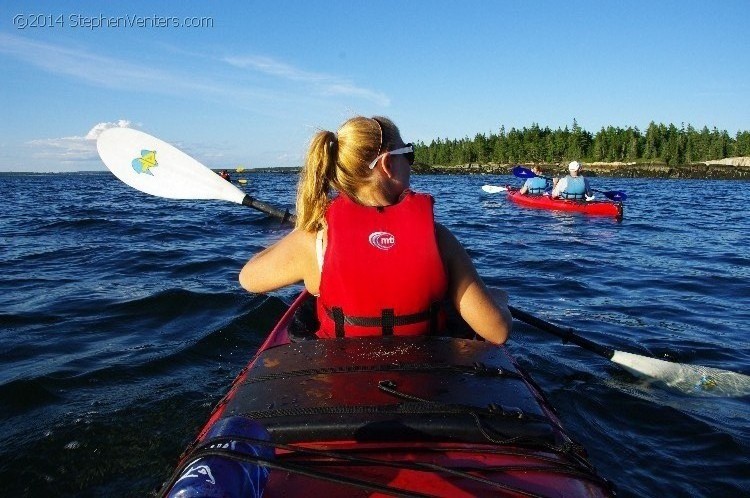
x,y
122,323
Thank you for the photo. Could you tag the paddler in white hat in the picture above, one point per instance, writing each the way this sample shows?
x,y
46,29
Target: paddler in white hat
x,y
573,185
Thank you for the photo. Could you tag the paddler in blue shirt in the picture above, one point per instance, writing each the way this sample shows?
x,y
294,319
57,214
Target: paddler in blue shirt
x,y
537,185
356,252
573,185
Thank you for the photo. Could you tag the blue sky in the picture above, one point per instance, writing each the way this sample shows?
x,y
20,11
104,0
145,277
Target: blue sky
x,y
252,88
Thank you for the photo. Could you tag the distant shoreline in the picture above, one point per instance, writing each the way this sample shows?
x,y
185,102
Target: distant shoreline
x,y
723,169
720,169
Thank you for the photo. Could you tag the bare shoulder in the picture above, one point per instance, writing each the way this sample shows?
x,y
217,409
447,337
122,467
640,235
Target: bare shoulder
x,y
452,251
300,243
302,237
290,260
446,239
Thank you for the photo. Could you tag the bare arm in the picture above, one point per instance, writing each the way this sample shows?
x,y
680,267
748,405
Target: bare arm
x,y
559,186
490,319
289,261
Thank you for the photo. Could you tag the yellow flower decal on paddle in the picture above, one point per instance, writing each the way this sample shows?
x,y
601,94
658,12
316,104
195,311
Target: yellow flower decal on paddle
x,y
144,163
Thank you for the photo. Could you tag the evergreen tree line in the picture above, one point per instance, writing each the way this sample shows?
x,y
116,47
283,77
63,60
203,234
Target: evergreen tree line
x,y
660,143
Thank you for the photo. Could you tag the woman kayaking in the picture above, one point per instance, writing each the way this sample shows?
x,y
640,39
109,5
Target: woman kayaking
x,y
373,254
535,185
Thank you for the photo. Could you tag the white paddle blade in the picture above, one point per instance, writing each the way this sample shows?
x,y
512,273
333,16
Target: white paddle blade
x,y
157,168
493,189
689,379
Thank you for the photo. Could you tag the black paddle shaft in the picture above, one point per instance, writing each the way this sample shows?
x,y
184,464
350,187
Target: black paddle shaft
x,y
567,335
283,215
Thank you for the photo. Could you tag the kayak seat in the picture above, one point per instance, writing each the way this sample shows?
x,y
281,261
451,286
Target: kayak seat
x,y
305,323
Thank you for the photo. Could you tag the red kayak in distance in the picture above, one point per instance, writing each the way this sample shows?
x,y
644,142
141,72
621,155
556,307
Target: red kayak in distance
x,y
592,208
426,416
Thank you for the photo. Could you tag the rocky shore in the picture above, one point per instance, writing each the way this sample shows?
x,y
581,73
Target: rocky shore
x,y
735,168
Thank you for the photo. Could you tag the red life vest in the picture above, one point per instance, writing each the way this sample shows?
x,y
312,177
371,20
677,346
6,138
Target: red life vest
x,y
382,271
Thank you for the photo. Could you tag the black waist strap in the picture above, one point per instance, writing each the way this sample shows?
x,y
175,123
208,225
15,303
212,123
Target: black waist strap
x,y
387,320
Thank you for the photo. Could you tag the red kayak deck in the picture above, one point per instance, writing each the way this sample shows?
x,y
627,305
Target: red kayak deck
x,y
404,416
592,208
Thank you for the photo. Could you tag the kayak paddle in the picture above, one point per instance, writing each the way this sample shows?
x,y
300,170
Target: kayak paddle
x,y
160,169
689,379
493,189
615,195
157,168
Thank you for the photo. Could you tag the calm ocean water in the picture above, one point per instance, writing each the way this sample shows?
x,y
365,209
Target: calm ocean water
x,y
122,323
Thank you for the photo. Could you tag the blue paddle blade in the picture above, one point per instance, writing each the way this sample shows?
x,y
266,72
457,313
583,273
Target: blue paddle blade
x,y
522,172
615,195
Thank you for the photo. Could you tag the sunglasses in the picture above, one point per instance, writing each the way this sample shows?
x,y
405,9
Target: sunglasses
x,y
407,150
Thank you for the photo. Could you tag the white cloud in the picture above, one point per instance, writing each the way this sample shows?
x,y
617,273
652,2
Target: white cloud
x,y
81,64
273,67
325,84
65,149
97,130
120,74
293,158
355,91
74,148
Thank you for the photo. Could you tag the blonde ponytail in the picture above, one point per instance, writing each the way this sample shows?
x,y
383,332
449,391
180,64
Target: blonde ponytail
x,y
340,161
315,181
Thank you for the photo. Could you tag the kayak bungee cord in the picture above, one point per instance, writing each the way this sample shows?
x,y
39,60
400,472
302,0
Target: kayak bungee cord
x,y
207,449
478,369
418,408
389,387
568,446
273,464
493,409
